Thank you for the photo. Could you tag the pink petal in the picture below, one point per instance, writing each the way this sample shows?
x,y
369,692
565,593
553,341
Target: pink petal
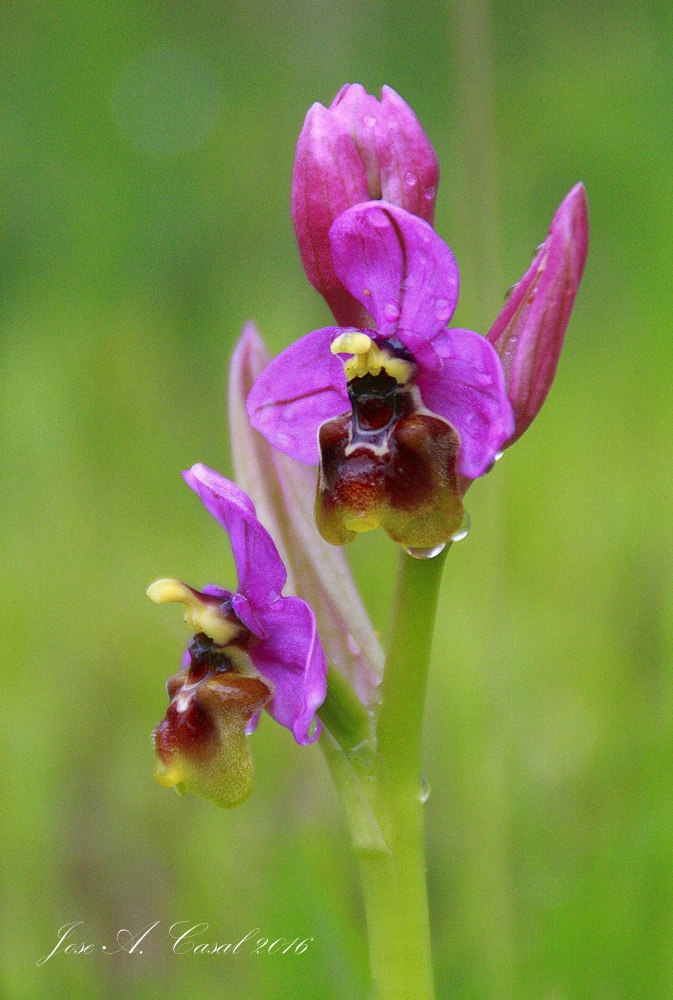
x,y
329,176
397,266
293,659
407,162
300,389
469,391
528,334
261,574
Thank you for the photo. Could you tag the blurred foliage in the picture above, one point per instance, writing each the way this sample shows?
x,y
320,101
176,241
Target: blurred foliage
x,y
146,150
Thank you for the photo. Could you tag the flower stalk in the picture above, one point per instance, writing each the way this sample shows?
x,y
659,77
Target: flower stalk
x,y
383,796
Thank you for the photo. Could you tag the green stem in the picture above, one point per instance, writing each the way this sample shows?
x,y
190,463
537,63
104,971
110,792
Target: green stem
x,y
383,802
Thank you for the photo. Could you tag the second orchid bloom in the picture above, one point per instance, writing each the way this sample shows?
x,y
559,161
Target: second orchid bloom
x,y
251,649
399,411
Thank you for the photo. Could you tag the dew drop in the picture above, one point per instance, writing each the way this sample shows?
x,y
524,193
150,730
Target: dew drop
x,y
458,536
425,553
429,193
425,790
410,179
369,121
496,458
442,310
391,311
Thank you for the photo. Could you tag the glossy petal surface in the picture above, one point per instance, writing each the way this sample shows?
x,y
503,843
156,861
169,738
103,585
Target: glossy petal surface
x,y
293,660
469,391
529,332
329,176
300,389
397,266
261,574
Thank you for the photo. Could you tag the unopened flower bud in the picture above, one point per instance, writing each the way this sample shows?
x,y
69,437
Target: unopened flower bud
x,y
528,334
358,150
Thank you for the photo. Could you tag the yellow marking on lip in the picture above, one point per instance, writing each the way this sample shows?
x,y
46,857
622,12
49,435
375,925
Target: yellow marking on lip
x,y
362,524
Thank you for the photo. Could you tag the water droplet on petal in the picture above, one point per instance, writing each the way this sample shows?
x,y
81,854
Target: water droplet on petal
x,y
369,121
424,793
458,536
425,553
498,455
410,179
429,193
391,311
443,310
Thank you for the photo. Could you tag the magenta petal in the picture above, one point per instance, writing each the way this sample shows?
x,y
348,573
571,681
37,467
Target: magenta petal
x,y
397,266
408,165
300,389
293,660
213,590
528,334
243,610
329,176
261,574
470,393
401,164
359,113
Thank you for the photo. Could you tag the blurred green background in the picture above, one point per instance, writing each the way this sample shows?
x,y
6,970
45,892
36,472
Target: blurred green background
x,y
145,161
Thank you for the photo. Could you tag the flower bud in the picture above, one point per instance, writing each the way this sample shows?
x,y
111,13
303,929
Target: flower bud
x,y
528,334
358,150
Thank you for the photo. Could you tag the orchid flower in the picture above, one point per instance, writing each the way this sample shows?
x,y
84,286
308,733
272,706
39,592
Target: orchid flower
x,y
428,403
252,649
